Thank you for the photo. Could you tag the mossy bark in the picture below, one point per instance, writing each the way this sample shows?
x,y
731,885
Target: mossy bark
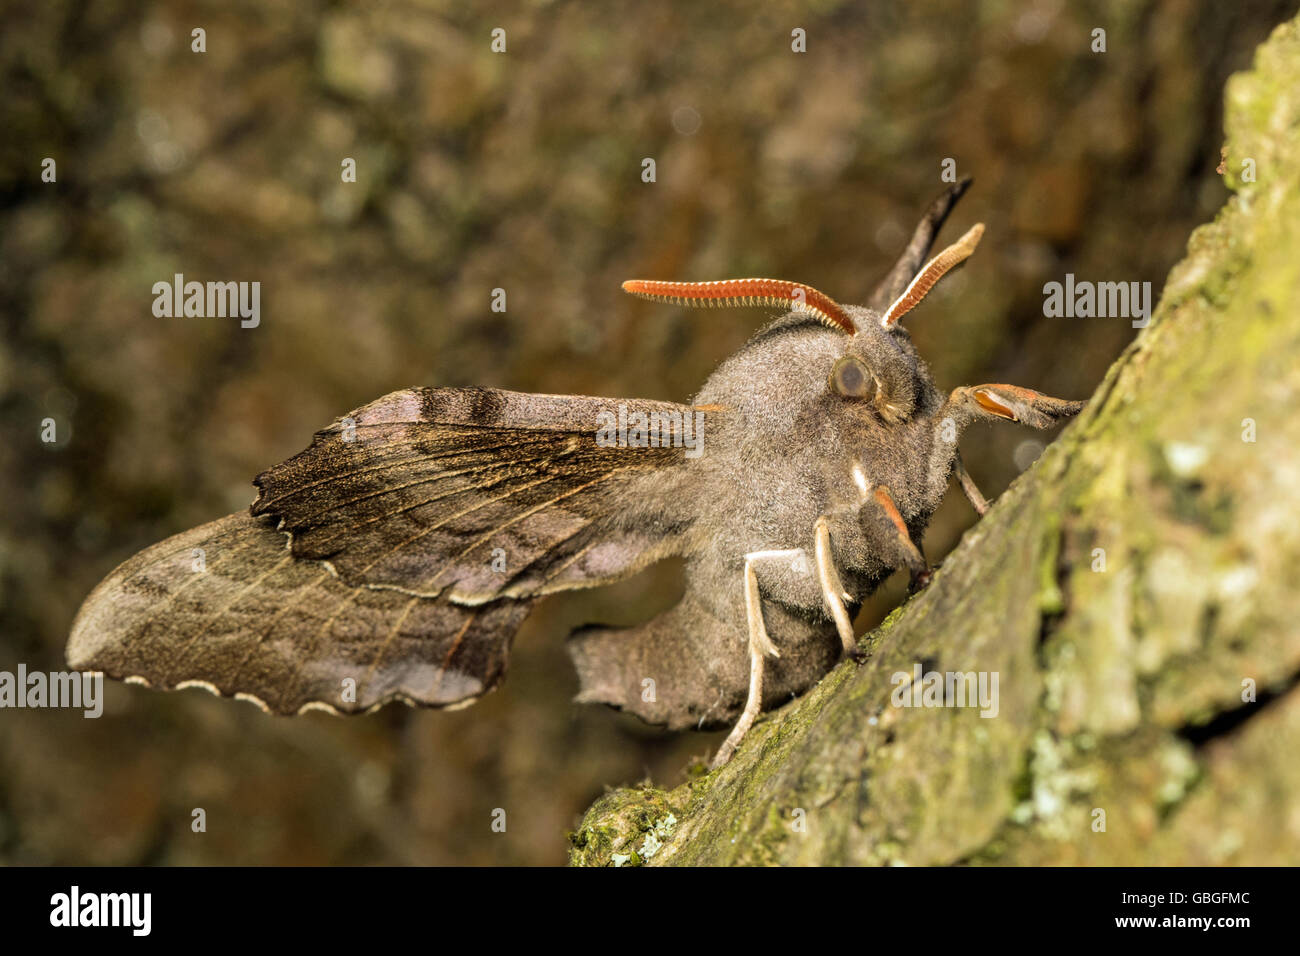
x,y
1135,591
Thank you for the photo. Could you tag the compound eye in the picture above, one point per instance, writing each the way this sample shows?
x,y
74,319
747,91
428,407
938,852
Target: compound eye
x,y
852,379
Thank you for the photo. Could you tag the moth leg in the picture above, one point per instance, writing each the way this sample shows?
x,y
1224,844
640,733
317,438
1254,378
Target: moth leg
x,y
833,592
760,646
969,488
907,549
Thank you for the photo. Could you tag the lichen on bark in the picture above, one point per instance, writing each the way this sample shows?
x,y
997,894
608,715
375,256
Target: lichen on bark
x,y
1134,591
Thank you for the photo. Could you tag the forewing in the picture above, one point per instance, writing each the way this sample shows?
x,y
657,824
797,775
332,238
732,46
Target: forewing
x,y
477,494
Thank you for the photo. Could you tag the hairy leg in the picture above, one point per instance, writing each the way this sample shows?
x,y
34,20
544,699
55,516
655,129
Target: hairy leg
x,y
760,647
969,488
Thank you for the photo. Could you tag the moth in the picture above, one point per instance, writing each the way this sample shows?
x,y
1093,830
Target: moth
x,y
395,557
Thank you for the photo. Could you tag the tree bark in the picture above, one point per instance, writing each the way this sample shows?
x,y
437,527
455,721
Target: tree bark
x,y
1134,591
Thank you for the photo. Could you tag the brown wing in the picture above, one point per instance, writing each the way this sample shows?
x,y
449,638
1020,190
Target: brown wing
x,y
242,616
473,493
409,499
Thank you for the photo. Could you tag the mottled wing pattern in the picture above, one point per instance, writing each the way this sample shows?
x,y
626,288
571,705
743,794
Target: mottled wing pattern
x,y
244,617
392,560
470,493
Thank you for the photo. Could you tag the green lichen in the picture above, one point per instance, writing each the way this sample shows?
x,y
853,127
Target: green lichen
x,y
1051,599
632,828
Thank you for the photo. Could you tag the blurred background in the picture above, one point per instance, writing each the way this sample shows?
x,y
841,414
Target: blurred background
x,y
519,170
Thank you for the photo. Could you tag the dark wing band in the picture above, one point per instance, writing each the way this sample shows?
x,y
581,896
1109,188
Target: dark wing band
x,y
476,494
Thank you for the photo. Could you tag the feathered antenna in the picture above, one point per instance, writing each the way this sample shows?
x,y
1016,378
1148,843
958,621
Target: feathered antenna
x,y
934,270
730,293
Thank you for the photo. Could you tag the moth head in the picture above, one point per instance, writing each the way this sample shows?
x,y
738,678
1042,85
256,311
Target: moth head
x,y
878,371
